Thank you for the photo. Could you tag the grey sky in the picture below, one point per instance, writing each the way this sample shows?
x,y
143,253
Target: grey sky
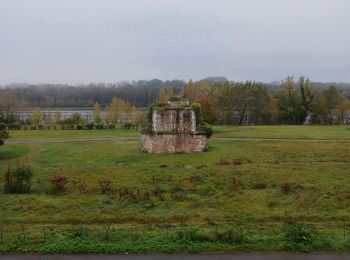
x,y
79,41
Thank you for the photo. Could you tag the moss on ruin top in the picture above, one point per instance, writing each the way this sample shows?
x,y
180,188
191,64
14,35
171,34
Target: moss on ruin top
x,y
196,107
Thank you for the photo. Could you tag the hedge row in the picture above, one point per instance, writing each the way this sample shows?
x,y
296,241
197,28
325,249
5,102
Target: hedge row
x,y
69,127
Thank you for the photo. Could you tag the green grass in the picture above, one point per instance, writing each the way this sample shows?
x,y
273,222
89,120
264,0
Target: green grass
x,y
235,184
289,132
61,134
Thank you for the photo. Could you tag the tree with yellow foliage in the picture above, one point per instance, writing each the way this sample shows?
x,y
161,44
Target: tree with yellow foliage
x,y
37,116
165,94
57,117
115,110
97,114
190,90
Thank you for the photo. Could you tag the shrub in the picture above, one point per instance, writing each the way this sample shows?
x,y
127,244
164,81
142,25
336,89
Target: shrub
x,y
127,126
82,186
158,192
77,232
160,104
111,127
286,188
177,188
272,204
208,129
259,186
18,180
190,234
89,126
3,135
105,185
59,182
231,235
234,184
299,237
151,109
196,107
150,114
99,127
224,161
174,98
237,162
2,126
146,195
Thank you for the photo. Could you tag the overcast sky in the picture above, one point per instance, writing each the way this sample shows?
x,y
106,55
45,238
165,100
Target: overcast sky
x,y
80,41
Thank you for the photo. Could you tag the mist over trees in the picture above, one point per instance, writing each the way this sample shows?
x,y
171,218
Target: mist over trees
x,y
140,93
291,101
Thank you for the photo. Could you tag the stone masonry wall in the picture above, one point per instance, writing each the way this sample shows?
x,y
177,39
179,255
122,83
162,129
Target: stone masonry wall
x,y
174,121
173,131
173,143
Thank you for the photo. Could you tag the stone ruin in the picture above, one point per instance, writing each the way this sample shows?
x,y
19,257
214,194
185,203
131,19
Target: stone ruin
x,y
173,130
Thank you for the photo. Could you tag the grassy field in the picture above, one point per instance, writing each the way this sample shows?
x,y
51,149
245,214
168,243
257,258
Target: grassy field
x,y
289,132
238,196
62,134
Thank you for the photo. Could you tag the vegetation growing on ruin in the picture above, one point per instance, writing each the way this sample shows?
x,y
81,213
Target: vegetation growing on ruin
x,y
202,126
3,134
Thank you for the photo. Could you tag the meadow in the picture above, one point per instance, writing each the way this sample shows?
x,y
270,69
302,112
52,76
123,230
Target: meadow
x,y
275,132
277,195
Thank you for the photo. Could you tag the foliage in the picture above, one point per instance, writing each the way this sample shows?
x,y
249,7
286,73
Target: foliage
x,y
97,114
165,94
331,101
37,116
289,102
18,180
300,237
3,134
57,117
196,107
226,102
286,188
259,185
190,234
174,98
241,102
210,110
105,185
231,235
208,129
150,114
152,108
74,119
120,111
59,182
77,232
81,186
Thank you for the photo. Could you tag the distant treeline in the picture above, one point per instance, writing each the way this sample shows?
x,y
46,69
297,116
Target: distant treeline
x,y
140,93
291,101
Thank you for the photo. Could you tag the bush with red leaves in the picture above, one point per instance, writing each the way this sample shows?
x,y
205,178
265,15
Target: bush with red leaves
x,y
59,182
